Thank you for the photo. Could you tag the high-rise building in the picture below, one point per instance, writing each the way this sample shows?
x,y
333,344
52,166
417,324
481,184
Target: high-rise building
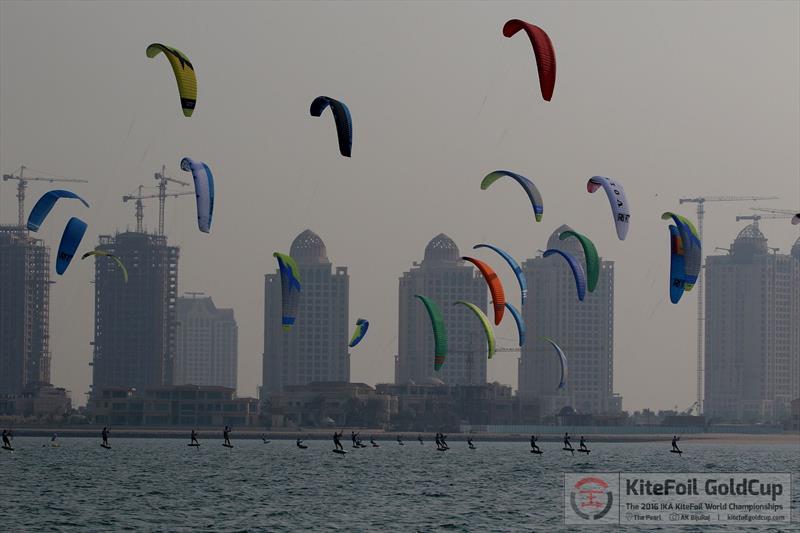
x,y
584,330
752,370
24,311
445,278
207,344
315,348
135,322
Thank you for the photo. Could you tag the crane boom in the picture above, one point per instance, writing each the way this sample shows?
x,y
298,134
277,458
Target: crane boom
x,y
775,211
23,184
756,218
701,201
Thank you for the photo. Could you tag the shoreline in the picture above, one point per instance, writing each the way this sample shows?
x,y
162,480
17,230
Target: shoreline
x,y
409,437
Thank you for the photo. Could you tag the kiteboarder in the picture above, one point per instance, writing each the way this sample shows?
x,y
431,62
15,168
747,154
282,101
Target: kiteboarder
x,y
582,445
6,438
194,438
675,440
400,441
419,438
469,443
105,436
438,442
336,441
372,441
54,437
442,438
300,443
534,446
568,444
226,435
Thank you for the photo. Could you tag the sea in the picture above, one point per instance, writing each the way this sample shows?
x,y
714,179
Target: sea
x,y
164,485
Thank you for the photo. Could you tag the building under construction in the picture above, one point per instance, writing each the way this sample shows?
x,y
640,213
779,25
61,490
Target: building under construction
x,y
24,311
135,322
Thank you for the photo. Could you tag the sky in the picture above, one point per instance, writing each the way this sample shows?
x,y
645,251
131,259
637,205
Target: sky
x,y
672,99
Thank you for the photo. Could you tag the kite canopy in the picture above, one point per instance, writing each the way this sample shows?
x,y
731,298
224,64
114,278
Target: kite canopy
x,y
577,270
495,287
796,219
359,333
487,327
102,253
184,74
70,240
342,118
203,191
45,204
520,323
691,246
590,253
523,286
563,359
677,275
439,332
543,51
530,189
290,289
616,197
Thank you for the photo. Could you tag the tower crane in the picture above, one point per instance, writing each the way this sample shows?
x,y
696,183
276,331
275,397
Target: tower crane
x,y
701,319
23,184
162,179
140,206
756,218
774,211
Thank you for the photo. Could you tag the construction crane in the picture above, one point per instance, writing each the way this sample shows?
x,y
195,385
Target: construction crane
x,y
756,218
23,184
774,211
140,206
701,202
162,179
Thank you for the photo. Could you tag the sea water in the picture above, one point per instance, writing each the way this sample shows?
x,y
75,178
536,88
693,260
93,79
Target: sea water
x,y
164,485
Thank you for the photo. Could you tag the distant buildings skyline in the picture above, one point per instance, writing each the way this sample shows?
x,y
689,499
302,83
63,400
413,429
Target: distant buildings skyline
x,y
443,277
584,330
752,335
315,348
207,348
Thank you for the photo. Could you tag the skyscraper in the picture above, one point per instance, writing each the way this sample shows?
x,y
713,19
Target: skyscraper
x,y
752,330
24,311
135,322
315,348
445,278
584,330
207,344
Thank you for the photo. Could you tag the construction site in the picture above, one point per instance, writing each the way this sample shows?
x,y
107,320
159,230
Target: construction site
x,y
135,319
25,311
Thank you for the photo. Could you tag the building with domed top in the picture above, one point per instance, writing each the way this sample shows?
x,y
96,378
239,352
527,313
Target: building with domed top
x,y
752,330
584,330
315,348
443,277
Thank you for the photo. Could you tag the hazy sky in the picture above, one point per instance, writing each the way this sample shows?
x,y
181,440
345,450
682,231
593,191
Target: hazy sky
x,y
672,99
